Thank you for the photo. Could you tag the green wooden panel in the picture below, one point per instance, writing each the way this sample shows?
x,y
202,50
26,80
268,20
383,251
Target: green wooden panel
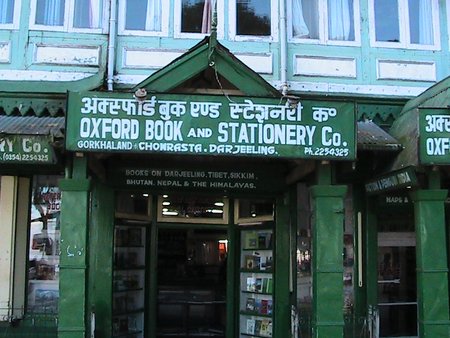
x,y
432,269
282,309
210,125
100,261
328,234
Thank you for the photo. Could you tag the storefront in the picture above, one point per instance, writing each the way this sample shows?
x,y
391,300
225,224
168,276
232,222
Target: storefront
x,y
181,208
30,168
205,203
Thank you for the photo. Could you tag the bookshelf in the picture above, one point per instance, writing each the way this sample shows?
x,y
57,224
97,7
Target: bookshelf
x,y
256,281
129,278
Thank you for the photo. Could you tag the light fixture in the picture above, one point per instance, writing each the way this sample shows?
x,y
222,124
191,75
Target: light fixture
x,y
140,94
292,100
170,213
166,203
219,204
145,195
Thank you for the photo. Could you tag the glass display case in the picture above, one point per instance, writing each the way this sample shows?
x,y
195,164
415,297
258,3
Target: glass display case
x,y
129,278
256,281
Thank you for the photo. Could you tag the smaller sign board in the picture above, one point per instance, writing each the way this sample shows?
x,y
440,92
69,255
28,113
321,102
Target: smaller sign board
x,y
394,180
224,180
30,149
434,140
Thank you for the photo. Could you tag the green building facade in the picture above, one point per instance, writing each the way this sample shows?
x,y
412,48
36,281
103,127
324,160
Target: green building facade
x,y
165,176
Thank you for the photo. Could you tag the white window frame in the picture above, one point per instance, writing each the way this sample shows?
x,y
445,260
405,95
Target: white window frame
x,y
67,26
165,12
178,34
273,24
404,28
323,26
16,17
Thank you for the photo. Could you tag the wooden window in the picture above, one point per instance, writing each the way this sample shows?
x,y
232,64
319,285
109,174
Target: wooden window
x,y
331,22
69,15
412,24
146,17
9,14
253,20
193,18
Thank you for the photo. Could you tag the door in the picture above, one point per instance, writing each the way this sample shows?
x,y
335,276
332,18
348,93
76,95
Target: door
x,y
397,287
191,282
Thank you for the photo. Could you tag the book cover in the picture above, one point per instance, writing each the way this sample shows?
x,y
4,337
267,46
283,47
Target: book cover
x,y
264,306
250,304
257,305
269,328
251,284
250,326
251,240
258,323
256,262
249,262
269,286
262,240
269,306
264,327
258,285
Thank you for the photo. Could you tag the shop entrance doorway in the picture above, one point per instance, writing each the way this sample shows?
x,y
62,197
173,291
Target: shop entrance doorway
x,y
191,282
397,291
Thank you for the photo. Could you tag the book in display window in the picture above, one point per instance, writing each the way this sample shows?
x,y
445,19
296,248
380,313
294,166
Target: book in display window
x,y
256,282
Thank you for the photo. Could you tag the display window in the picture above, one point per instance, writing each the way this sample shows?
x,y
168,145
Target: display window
x,y
44,245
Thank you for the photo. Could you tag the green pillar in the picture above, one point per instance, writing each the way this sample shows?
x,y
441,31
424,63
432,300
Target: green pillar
x,y
282,324
328,234
73,259
432,271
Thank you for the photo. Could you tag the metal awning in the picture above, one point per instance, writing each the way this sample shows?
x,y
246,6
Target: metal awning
x,y
32,125
372,137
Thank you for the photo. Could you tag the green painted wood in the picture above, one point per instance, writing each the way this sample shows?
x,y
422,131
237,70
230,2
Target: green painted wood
x,y
177,72
371,252
432,269
233,258
152,259
101,235
199,58
282,308
241,76
328,234
74,251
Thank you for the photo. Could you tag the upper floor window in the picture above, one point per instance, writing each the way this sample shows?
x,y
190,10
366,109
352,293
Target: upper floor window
x,y
253,19
9,13
193,18
324,21
405,23
143,17
67,15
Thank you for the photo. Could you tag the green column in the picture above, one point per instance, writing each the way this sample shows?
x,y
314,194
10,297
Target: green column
x,y
432,270
282,309
73,259
328,234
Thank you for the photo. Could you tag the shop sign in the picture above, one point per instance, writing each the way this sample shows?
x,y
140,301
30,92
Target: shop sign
x,y
167,179
394,200
26,149
394,180
210,125
434,141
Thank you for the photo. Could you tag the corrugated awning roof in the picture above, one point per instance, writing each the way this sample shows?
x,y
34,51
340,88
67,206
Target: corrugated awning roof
x,y
32,125
372,137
